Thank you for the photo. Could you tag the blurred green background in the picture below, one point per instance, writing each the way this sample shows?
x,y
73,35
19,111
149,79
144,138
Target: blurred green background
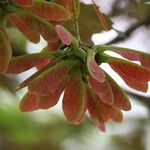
x,y
48,129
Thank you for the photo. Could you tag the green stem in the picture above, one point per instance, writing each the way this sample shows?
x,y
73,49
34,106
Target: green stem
x,y
76,20
102,48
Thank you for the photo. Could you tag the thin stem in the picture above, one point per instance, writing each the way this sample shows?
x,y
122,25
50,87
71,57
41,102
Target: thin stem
x,y
76,20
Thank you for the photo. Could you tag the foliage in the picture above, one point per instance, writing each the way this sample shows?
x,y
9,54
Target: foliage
x,y
70,62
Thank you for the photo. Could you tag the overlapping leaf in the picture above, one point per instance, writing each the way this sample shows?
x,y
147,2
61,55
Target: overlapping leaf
x,y
48,81
74,104
93,108
103,90
45,102
109,111
32,77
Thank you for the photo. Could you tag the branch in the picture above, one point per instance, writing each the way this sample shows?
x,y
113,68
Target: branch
x,y
76,20
128,32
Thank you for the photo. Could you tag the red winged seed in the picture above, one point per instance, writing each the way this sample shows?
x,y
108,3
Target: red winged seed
x,y
134,56
64,35
109,111
95,71
120,98
74,104
103,90
48,81
24,3
26,30
29,103
134,75
54,46
32,27
51,100
49,11
92,106
43,64
25,62
66,3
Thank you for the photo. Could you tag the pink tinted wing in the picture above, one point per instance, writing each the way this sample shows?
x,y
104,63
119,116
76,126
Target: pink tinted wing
x,y
64,35
95,71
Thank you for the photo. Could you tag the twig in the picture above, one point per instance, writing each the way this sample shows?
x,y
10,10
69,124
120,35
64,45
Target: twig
x,y
128,32
76,20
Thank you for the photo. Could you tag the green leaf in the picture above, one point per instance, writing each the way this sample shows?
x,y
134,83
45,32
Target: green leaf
x,y
104,19
88,24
